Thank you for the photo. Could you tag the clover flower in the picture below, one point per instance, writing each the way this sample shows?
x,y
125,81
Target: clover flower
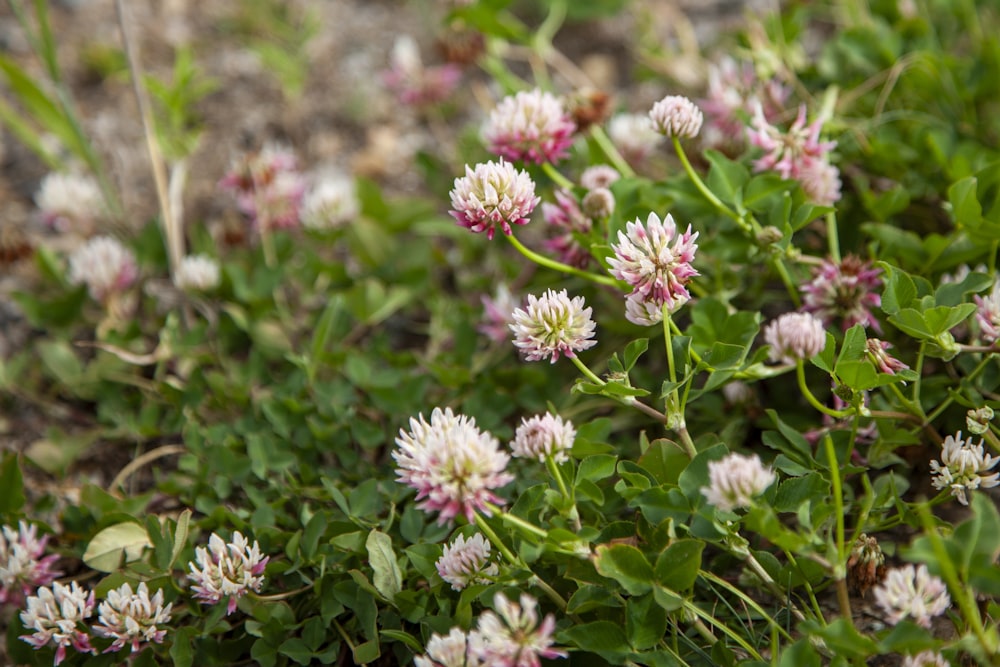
x,y
978,420
330,202
599,203
599,176
633,135
878,353
964,467
511,636
467,561
735,480
676,116
734,91
104,265
925,659
912,592
23,565
655,260
532,126
66,200
268,187
227,570
642,312
569,223
197,273
544,436
132,618
795,336
845,291
493,194
988,314
498,314
451,650
57,615
866,564
453,466
412,82
797,154
553,324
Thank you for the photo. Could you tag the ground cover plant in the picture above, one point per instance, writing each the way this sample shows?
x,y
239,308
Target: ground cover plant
x,y
697,371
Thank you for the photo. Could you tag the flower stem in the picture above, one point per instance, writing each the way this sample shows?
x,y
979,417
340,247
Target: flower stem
x,y
559,266
556,177
800,373
838,504
600,137
496,541
782,270
745,599
832,237
554,471
703,189
589,374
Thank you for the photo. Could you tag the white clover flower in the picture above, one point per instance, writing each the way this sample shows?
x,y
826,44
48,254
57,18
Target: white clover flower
x,y
493,195
912,592
66,199
197,273
988,314
227,570
451,650
599,203
676,116
655,260
532,126
132,618
467,561
633,135
23,565
964,467
542,437
453,466
599,176
735,480
332,201
511,636
642,312
795,336
104,265
553,325
925,659
57,617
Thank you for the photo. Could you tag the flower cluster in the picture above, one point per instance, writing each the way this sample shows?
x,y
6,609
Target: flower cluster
x,y
569,224
227,570
467,561
878,353
132,618
268,187
797,154
925,659
795,336
105,266
57,615
912,592
493,195
988,314
634,136
544,436
656,261
599,176
498,314
676,116
964,467
735,480
453,466
532,126
412,82
330,202
734,92
845,291
69,201
23,565
197,273
553,325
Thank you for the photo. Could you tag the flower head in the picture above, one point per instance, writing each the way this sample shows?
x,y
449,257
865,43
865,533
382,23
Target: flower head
x,y
599,176
676,116
655,260
132,618
988,314
412,82
544,436
866,564
330,202
734,91
978,420
23,565
104,265
498,314
925,659
511,636
467,561
493,194
963,467
642,312
845,291
532,126
553,324
229,570
735,480
268,187
57,617
599,203
451,650
68,200
912,592
795,336
197,273
453,466
569,223
633,135
878,353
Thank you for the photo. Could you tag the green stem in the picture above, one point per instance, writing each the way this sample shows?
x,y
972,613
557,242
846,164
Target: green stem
x,y
980,367
746,599
721,627
703,189
496,541
816,609
919,370
555,472
586,371
838,512
556,177
670,348
600,137
559,266
832,236
800,373
786,279
907,403
507,517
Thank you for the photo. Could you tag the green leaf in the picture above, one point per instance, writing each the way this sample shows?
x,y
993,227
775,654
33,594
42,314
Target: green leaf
x,y
180,535
899,291
633,351
604,638
411,642
367,652
965,207
11,485
181,650
943,318
597,467
800,654
122,542
726,177
645,622
296,649
61,361
842,638
626,565
695,475
911,321
677,566
794,492
589,597
387,578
